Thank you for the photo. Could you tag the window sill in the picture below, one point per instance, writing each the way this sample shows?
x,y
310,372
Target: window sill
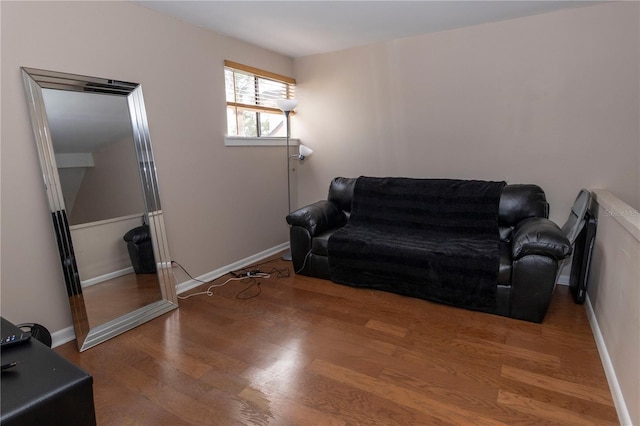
x,y
240,141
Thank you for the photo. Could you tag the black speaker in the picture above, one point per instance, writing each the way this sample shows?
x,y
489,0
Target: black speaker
x,y
37,331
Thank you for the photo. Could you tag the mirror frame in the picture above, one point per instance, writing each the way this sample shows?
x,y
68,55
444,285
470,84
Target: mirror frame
x,y
35,80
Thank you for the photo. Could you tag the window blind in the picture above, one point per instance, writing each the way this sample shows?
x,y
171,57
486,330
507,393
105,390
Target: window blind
x,y
252,89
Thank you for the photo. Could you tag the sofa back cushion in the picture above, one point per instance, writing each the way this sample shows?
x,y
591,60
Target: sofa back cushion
x,y
517,202
341,192
520,202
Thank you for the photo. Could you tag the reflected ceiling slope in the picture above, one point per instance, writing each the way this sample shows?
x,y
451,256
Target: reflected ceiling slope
x,y
83,122
302,28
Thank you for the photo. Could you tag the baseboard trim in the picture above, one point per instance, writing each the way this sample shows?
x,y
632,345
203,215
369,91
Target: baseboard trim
x,y
614,386
63,336
209,276
106,277
564,280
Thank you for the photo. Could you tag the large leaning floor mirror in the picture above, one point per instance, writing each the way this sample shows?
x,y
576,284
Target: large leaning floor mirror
x,y
100,179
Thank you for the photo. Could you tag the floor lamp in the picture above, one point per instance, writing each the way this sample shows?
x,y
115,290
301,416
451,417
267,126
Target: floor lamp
x,y
287,105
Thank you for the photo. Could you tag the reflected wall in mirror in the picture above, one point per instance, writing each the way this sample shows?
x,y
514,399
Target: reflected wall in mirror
x,y
100,178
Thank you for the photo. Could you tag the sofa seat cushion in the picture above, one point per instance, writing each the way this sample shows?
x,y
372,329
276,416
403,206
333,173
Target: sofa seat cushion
x,y
450,269
320,243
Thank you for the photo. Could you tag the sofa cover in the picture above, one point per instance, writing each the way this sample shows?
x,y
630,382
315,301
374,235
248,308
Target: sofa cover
x,y
479,245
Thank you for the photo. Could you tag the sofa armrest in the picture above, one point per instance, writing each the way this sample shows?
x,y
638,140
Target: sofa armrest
x,y
318,217
539,236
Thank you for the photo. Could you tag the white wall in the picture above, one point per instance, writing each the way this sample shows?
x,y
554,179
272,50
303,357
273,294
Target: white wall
x,y
551,99
99,247
614,298
220,204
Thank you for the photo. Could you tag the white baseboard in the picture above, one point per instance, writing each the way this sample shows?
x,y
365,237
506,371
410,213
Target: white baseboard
x,y
63,336
105,277
564,280
618,399
209,276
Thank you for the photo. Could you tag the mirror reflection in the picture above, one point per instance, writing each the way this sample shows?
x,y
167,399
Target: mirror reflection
x,y
97,163
98,168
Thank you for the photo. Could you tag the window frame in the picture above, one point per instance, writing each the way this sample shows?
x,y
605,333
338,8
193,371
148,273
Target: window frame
x,y
257,74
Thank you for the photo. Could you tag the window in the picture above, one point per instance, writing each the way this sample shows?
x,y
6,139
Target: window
x,y
251,112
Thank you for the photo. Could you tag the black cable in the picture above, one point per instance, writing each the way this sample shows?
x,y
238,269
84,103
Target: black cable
x,y
256,284
279,273
188,274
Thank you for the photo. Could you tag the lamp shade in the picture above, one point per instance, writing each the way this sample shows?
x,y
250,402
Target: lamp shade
x,y
286,105
304,151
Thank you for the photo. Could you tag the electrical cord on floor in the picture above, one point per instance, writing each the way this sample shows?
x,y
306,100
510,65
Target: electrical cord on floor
x,y
173,262
209,292
279,273
256,284
248,274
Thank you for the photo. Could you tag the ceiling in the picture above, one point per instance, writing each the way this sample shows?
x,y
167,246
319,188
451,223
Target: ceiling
x,y
304,27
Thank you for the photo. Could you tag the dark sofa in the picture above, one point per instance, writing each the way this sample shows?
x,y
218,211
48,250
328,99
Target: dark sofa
x,y
484,246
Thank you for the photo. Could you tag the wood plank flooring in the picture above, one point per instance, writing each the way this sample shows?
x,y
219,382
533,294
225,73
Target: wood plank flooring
x,y
118,296
305,351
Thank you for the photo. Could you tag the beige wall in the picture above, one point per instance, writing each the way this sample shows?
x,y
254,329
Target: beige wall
x,y
112,187
220,204
613,300
551,99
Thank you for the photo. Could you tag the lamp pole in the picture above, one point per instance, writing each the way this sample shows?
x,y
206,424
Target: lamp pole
x,y
287,105
286,113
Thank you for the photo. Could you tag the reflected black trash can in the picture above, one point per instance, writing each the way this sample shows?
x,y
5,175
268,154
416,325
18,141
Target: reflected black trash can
x,y
140,250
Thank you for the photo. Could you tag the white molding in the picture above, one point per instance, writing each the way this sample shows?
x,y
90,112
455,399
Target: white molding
x,y
623,213
614,386
105,277
63,336
76,159
240,141
106,221
209,276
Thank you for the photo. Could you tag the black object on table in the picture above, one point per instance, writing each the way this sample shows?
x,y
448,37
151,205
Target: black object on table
x,y
42,388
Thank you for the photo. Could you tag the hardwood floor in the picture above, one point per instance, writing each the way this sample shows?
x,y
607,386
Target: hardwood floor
x,y
309,352
119,296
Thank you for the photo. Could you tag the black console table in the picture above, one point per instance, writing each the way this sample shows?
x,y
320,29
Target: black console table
x,y
42,388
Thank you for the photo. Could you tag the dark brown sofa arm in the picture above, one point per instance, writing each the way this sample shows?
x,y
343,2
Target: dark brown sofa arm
x,y
318,217
539,236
